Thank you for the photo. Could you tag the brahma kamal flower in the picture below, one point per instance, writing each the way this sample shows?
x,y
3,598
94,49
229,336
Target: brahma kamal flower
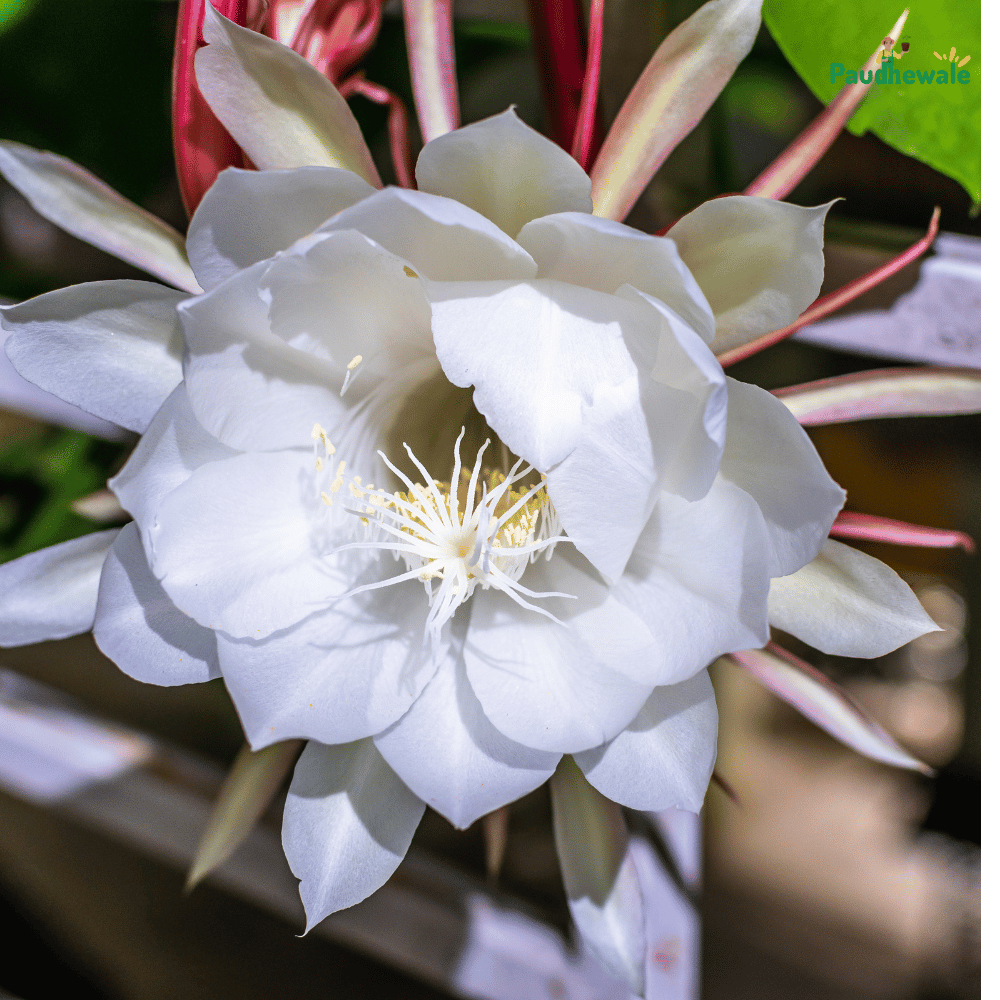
x,y
447,482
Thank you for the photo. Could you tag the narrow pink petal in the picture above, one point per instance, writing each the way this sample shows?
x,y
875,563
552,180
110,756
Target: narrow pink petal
x,y
584,133
558,38
399,129
431,47
684,77
784,174
872,528
825,703
835,300
202,146
885,392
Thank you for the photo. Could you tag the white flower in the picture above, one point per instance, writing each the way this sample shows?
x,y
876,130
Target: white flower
x,y
452,485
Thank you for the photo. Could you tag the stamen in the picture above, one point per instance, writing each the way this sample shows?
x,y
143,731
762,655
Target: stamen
x,y
453,544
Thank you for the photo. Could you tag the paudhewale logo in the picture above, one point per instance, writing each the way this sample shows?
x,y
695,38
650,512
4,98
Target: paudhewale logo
x,y
890,72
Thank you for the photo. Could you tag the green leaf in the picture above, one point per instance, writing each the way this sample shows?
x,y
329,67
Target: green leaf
x,y
12,10
936,122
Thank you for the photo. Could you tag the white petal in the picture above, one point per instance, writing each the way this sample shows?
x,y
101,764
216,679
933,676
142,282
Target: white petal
x,y
347,672
847,603
280,110
174,445
236,546
246,385
52,593
348,824
562,374
759,262
770,457
141,629
558,687
453,757
78,202
600,877
247,216
699,579
664,759
505,171
604,255
342,297
112,348
443,239
21,396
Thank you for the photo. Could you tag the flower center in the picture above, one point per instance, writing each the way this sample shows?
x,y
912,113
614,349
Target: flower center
x,y
480,530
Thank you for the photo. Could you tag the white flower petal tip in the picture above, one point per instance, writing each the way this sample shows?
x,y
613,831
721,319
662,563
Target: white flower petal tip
x,y
770,457
664,758
599,875
505,170
823,702
113,348
847,603
759,262
348,824
281,111
452,756
52,594
78,202
900,392
682,80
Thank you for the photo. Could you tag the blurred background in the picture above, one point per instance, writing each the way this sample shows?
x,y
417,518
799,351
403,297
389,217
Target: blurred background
x,y
831,877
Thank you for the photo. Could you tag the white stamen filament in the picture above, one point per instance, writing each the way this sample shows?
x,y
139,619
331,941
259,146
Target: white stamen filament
x,y
451,548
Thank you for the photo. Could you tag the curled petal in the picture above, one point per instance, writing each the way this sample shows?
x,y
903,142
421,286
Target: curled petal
x,y
759,262
348,824
334,34
399,129
885,392
664,758
684,77
281,111
830,707
505,171
847,603
78,202
583,134
141,629
112,348
52,594
600,877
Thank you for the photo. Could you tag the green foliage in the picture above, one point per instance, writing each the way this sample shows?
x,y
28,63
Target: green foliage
x,y
40,477
938,123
